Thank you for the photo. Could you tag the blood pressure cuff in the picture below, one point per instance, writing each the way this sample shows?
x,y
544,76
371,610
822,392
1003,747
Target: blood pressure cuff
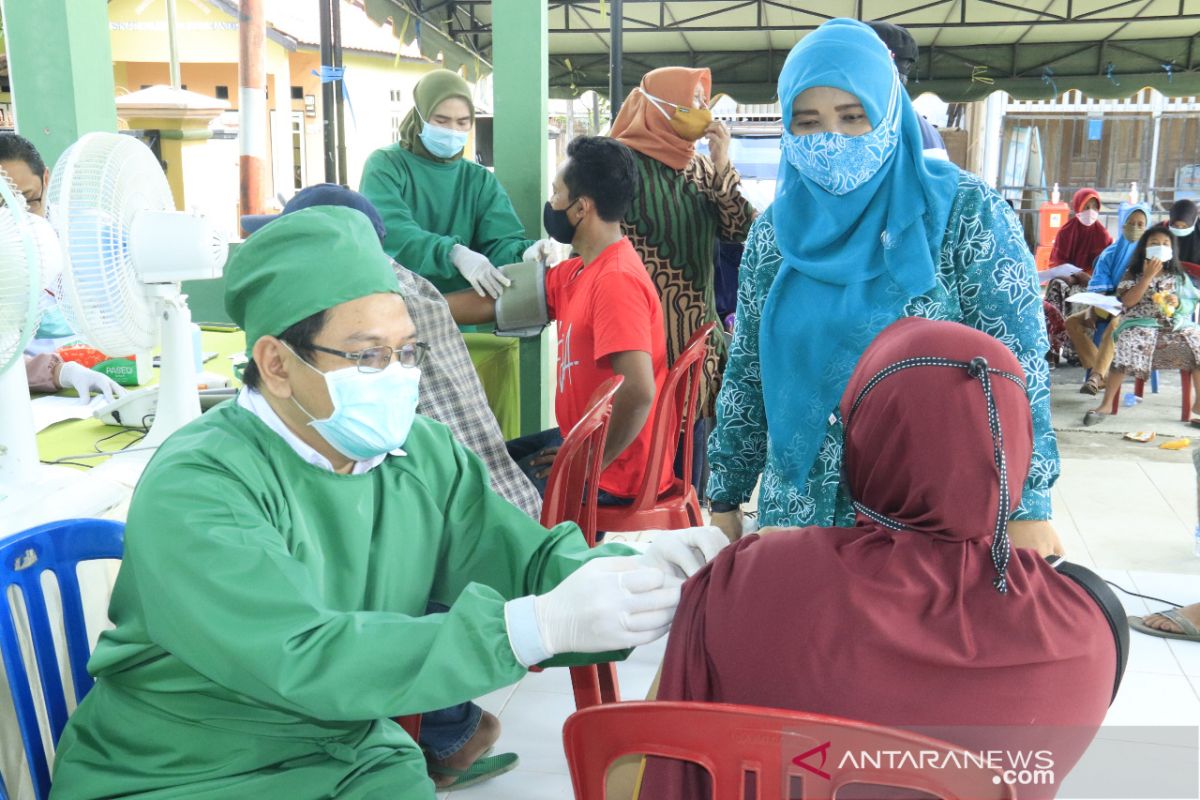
x,y
521,310
1113,611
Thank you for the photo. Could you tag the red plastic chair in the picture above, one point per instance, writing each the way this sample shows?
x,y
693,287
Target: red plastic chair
x,y
571,496
674,414
780,747
574,483
1139,388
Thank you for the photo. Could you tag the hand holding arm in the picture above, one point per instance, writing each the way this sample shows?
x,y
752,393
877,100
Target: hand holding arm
x,y
682,553
479,272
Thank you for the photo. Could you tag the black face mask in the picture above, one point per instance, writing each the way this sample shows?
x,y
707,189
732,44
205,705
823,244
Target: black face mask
x,y
558,224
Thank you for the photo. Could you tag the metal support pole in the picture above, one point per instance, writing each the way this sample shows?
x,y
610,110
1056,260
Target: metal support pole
x,y
176,81
1151,183
339,92
616,89
252,105
328,95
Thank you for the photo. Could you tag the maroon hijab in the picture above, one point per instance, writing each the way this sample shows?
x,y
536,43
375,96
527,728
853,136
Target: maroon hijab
x,y
932,625
1077,243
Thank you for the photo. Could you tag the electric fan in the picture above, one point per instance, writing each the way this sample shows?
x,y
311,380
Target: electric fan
x,y
127,251
31,493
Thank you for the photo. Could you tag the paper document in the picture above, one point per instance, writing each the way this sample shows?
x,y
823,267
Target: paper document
x,y
1103,301
1061,271
52,408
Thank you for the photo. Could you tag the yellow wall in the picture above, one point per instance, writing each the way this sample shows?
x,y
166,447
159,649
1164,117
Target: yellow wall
x,y
208,52
370,81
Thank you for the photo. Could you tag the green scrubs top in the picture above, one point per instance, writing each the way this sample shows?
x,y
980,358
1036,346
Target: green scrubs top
x,y
270,617
428,207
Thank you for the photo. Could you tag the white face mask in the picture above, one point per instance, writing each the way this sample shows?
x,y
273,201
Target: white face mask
x,y
1160,251
1181,232
1088,216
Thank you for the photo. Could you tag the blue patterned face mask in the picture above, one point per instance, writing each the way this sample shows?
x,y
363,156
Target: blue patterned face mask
x,y
840,164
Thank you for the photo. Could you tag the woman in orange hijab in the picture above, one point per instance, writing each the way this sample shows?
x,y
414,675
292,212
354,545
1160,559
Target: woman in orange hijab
x,y
685,203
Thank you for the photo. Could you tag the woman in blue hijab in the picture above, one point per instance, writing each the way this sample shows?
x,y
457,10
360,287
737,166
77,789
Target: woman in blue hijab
x,y
1107,270
863,230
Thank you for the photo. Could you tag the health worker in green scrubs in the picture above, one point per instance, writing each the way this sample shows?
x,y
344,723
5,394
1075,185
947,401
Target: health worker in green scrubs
x,y
281,550
448,219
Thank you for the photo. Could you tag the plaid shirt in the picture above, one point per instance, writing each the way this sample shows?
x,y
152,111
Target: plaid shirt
x,y
452,394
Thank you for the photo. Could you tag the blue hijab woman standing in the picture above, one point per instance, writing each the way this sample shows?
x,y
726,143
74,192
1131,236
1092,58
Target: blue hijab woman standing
x,y
863,230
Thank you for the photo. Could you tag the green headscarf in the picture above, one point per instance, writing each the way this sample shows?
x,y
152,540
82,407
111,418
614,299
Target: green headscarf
x,y
302,263
430,91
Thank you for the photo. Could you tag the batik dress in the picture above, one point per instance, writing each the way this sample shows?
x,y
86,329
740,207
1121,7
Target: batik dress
x,y
1149,336
985,279
674,224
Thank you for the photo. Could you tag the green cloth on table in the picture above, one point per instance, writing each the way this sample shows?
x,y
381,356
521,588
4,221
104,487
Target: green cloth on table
x,y
429,207
497,361
304,262
270,617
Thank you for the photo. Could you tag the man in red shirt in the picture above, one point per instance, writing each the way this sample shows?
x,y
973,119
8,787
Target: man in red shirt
x,y
609,319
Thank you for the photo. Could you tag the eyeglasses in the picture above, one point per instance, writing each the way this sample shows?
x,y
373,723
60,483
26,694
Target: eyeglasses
x,y
377,359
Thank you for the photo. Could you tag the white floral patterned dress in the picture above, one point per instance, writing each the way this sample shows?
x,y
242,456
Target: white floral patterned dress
x,y
1139,349
986,279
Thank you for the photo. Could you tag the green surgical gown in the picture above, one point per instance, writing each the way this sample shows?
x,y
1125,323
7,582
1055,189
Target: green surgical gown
x,y
270,618
428,207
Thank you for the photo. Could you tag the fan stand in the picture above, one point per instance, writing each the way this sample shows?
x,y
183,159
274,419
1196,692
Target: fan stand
x,y
178,399
32,493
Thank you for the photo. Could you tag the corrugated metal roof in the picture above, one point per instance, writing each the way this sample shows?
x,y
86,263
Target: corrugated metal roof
x,y
969,48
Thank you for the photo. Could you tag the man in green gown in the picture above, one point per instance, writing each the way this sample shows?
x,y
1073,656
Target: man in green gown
x,y
448,219
281,551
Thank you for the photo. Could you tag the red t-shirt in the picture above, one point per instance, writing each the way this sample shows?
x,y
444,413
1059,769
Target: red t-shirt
x,y
609,307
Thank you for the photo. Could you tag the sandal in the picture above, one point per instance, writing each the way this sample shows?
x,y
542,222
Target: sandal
x,y
1092,386
1093,418
1190,632
484,769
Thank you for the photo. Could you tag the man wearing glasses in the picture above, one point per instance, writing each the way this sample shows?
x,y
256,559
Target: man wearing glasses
x,y
281,550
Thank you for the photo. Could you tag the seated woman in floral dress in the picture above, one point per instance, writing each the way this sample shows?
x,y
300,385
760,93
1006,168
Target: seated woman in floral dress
x,y
1157,330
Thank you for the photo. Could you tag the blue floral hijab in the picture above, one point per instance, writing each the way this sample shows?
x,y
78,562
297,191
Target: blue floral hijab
x,y
859,222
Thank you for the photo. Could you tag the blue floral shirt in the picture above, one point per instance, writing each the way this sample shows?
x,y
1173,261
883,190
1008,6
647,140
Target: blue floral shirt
x,y
986,279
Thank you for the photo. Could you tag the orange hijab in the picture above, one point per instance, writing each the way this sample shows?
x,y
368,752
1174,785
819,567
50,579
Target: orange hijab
x,y
641,126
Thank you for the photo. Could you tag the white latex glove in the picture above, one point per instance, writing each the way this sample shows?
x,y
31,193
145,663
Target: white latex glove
x,y
682,553
607,604
484,278
86,381
543,250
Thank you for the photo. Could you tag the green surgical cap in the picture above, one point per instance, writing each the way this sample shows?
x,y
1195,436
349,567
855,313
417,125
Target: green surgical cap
x,y
302,263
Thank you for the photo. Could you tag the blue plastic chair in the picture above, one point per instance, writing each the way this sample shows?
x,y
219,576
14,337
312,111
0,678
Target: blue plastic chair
x,y
58,547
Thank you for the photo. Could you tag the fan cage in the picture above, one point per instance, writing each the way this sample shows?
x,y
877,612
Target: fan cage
x,y
20,275
97,188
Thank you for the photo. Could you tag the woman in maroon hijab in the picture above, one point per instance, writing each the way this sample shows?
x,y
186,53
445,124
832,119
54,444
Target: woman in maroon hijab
x,y
1078,243
920,615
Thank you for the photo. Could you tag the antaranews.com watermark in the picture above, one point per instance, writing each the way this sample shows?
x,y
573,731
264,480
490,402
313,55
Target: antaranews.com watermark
x,y
1113,763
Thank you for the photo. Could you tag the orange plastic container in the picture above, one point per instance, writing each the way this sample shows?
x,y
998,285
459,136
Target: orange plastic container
x,y
1051,217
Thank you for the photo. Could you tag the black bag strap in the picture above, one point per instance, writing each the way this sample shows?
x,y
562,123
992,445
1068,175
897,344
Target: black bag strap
x,y
1104,597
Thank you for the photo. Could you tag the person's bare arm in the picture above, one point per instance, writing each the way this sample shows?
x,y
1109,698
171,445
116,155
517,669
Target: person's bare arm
x,y
1134,296
632,403
468,308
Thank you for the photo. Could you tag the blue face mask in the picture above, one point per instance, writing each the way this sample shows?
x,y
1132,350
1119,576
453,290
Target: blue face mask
x,y
442,142
839,164
372,411
54,325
